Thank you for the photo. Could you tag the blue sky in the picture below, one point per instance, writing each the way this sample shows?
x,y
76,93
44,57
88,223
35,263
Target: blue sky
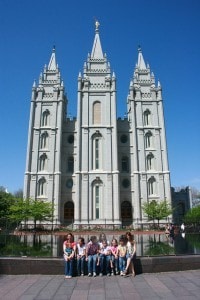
x,y
169,34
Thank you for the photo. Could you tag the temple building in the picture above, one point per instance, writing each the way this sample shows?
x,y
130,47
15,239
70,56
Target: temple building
x,y
96,168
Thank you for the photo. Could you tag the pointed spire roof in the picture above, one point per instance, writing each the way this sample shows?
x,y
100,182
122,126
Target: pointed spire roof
x,y
141,64
97,50
52,63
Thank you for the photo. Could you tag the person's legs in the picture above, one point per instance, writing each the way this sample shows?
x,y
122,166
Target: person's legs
x,y
82,264
78,266
89,264
94,257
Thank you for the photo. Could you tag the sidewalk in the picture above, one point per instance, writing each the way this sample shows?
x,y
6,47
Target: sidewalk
x,y
183,285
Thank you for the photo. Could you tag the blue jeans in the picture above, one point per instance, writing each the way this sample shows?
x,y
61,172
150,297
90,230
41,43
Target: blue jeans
x,y
68,267
92,259
80,265
106,258
115,262
122,263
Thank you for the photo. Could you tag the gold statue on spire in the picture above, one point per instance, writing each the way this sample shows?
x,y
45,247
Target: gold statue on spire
x,y
97,24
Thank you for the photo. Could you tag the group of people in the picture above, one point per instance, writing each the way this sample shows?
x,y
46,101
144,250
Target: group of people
x,y
101,256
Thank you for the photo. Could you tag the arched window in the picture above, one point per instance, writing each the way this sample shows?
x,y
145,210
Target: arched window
x,y
97,112
42,187
45,118
125,164
97,153
70,164
43,162
151,186
150,160
44,139
148,139
147,117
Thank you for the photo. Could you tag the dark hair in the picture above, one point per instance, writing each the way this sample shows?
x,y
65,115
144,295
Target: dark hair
x,y
82,240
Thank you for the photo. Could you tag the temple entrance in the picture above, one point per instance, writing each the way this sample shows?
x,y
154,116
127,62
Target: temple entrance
x,y
69,213
126,213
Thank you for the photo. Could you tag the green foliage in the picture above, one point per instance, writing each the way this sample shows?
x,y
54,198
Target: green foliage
x,y
157,210
29,209
193,216
6,200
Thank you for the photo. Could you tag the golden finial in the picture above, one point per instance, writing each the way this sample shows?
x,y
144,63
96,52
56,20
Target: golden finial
x,y
97,24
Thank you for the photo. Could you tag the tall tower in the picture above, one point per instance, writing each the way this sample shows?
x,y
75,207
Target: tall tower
x,y
43,165
150,173
97,175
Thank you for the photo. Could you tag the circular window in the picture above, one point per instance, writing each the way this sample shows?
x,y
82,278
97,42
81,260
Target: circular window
x,y
70,139
69,183
124,138
125,183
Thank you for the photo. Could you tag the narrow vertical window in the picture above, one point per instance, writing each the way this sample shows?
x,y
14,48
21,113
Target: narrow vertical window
x,y
43,162
125,164
147,115
44,137
70,167
97,112
45,118
150,161
96,153
97,201
148,140
151,186
42,187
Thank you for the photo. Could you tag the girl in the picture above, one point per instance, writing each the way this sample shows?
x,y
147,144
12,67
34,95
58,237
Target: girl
x,y
105,256
81,253
121,252
69,251
114,257
130,255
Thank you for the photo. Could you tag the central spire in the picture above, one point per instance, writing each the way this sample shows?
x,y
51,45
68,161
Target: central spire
x,y
96,49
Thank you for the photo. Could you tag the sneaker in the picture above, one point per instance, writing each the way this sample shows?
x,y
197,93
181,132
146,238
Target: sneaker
x,y
108,274
101,274
116,271
94,274
112,273
121,273
89,274
82,274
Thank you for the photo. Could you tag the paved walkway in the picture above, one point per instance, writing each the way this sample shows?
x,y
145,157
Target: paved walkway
x,y
170,286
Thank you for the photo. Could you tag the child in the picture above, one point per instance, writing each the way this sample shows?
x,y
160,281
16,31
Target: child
x,y
92,250
130,255
105,256
121,253
68,250
114,257
81,253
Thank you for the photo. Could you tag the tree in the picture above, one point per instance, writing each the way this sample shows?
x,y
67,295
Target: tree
x,y
193,216
157,210
29,209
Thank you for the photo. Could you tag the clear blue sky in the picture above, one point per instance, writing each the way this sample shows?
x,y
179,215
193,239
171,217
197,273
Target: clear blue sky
x,y
169,34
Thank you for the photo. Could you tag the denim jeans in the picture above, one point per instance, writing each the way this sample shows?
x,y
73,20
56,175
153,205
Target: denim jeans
x,y
115,262
105,258
68,267
122,263
92,259
80,265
